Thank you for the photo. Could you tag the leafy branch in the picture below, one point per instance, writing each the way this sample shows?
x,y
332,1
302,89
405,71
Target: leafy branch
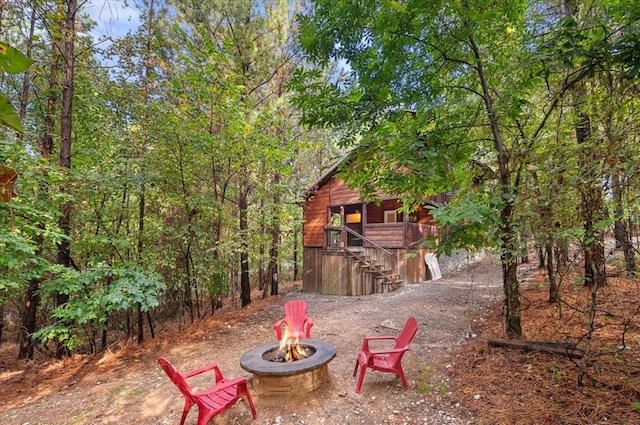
x,y
14,62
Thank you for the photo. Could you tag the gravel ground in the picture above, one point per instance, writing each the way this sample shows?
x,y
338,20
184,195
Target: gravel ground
x,y
129,387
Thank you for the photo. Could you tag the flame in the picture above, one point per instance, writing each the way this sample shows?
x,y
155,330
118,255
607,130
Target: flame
x,y
285,339
292,348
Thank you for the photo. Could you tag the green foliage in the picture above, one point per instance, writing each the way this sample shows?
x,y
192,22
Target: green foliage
x,y
19,259
183,114
94,294
625,48
8,115
16,253
321,104
59,333
452,97
13,62
468,222
413,101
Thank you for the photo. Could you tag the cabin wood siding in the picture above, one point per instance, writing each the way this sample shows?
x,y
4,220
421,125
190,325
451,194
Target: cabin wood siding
x,y
315,218
315,210
336,274
415,268
340,274
417,231
340,194
389,235
312,269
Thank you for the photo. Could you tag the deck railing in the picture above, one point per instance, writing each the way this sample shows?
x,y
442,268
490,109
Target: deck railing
x,y
343,237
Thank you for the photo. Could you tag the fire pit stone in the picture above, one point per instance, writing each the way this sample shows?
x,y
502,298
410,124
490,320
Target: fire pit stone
x,y
278,378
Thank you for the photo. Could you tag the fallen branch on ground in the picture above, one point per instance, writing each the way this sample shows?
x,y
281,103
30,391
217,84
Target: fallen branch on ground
x,y
561,348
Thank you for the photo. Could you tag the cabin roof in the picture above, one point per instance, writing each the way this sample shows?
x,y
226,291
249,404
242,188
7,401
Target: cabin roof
x,y
331,172
327,175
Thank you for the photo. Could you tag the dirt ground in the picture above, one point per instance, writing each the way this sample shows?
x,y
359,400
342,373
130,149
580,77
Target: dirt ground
x,y
127,386
453,377
602,386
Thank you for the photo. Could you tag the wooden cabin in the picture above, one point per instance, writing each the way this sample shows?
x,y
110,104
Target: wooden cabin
x,y
353,247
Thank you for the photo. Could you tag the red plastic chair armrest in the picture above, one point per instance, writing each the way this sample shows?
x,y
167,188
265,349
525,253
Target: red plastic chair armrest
x,y
389,351
366,339
221,386
203,369
278,328
372,338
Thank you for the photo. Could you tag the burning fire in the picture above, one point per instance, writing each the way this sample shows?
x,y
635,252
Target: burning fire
x,y
290,349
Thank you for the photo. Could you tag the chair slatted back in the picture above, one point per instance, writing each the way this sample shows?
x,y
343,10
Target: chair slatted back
x,y
295,315
175,377
407,333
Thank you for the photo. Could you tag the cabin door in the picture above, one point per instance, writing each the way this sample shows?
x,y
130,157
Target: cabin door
x,y
353,220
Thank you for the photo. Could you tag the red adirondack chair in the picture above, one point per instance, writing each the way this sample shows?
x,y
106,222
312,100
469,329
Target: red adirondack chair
x,y
298,324
386,360
211,401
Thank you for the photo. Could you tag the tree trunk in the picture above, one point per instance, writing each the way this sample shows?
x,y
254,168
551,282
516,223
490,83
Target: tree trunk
x,y
66,129
592,204
148,69
510,282
561,255
140,331
104,338
29,319
560,348
296,242
31,296
186,260
275,235
623,238
245,285
554,290
262,279
546,215
26,79
188,290
273,260
508,233
140,247
1,322
590,181
541,256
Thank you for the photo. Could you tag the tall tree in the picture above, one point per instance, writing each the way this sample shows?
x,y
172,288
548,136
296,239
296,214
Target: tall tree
x,y
238,34
45,147
66,134
590,189
13,61
31,298
432,90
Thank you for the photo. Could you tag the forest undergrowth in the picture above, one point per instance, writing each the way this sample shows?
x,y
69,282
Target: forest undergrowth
x,y
518,386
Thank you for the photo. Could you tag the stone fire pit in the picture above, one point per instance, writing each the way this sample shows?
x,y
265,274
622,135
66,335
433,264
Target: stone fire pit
x,y
288,378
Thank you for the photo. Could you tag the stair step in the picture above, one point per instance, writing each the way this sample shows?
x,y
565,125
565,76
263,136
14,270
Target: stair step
x,y
385,280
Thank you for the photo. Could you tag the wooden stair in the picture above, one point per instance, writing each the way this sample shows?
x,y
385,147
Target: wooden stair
x,y
374,280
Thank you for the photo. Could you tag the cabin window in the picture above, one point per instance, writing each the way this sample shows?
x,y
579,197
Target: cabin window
x,y
335,220
390,216
355,217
